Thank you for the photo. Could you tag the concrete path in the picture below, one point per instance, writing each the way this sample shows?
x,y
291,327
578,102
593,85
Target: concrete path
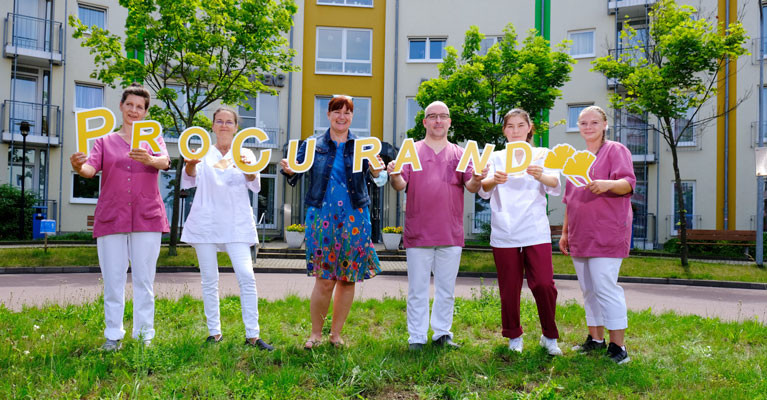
x,y
17,291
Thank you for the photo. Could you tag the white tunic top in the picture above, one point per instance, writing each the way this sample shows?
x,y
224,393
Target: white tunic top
x,y
221,211
519,206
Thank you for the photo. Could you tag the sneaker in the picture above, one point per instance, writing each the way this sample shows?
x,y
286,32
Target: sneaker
x,y
516,344
617,354
212,339
590,345
415,347
259,344
551,346
446,341
111,345
147,342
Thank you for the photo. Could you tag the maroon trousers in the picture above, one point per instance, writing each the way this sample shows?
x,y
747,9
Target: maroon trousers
x,y
535,262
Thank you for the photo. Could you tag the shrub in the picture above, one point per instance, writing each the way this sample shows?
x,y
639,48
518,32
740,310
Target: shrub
x,y
714,249
296,228
10,199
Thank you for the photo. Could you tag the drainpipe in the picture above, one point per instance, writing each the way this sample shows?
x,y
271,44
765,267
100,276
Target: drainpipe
x,y
287,132
60,122
396,83
726,127
759,179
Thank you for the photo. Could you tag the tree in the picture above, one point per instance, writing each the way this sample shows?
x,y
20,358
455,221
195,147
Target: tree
x,y
191,54
480,89
673,75
10,204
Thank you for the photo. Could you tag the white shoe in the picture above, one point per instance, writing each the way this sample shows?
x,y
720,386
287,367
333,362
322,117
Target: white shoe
x,y
551,346
516,344
111,345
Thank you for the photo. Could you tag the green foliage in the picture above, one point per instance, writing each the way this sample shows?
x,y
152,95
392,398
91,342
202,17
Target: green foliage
x,y
677,69
52,352
480,89
10,201
715,249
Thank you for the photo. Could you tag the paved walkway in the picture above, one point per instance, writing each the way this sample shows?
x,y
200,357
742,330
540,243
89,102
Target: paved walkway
x,y
19,290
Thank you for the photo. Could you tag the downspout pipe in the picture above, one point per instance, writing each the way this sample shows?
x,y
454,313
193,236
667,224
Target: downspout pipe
x,y
60,122
396,83
287,131
760,179
726,204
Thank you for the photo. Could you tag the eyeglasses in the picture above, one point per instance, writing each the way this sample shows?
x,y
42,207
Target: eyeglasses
x,y
434,117
222,122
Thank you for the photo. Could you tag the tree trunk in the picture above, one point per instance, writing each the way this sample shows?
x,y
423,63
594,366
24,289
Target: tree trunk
x,y
679,199
176,204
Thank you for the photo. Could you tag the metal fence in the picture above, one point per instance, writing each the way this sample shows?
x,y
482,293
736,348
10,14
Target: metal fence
x,y
42,118
22,31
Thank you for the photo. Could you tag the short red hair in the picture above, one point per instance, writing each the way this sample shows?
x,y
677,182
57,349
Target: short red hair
x,y
338,102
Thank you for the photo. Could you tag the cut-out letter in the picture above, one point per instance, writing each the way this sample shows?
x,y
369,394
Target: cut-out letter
x,y
183,143
407,155
84,134
366,148
293,164
471,153
263,158
512,166
146,131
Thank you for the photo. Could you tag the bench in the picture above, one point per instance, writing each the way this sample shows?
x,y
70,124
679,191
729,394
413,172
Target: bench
x,y
89,223
710,236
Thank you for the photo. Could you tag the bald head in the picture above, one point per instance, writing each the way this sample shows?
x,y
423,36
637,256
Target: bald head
x,y
436,107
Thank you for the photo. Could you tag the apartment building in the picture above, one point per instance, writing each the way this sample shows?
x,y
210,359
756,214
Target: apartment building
x,y
379,52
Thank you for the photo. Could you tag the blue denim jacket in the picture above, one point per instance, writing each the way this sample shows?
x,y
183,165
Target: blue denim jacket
x,y
319,174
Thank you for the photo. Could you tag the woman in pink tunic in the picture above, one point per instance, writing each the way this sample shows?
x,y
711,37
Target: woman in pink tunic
x,y
129,219
597,233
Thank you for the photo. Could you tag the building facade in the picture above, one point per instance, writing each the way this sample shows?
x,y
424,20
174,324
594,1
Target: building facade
x,y
378,52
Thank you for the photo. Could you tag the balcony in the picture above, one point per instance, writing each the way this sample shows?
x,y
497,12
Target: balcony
x,y
43,121
638,56
34,40
634,132
632,8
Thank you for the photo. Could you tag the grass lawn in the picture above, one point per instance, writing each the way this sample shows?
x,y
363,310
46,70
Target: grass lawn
x,y
52,353
480,261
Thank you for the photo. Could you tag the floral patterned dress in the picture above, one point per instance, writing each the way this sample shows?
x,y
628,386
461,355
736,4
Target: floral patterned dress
x,y
338,245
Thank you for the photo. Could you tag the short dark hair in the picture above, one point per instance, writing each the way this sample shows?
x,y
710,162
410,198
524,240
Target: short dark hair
x,y
136,89
338,102
518,112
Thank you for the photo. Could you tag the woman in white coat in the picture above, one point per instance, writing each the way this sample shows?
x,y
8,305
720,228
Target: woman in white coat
x,y
520,235
221,219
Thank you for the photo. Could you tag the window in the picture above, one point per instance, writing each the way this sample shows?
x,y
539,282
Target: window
x,y
639,202
583,43
688,194
481,216
264,114
573,111
764,31
88,96
685,130
35,170
344,51
360,121
91,16
426,49
263,201
350,3
85,191
412,112
487,43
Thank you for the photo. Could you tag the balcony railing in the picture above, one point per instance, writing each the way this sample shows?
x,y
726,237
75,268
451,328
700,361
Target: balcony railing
x,y
32,37
635,133
627,5
43,121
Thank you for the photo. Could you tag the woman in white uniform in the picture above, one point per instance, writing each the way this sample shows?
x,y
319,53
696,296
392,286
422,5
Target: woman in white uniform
x,y
221,219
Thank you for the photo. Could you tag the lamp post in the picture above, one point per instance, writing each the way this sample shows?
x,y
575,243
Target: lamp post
x,y
24,128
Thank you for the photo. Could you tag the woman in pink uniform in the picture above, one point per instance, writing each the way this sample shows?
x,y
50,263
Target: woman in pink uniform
x,y
597,233
129,219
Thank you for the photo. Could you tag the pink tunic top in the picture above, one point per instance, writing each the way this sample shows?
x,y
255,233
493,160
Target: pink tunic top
x,y
434,203
600,225
129,199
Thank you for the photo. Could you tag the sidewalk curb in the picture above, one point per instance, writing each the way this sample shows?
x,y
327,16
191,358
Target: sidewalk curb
x,y
488,275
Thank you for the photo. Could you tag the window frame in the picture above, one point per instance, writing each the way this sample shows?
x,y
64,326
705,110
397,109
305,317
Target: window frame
x,y
92,7
427,55
410,100
82,200
496,39
592,31
75,107
574,128
686,143
343,60
254,199
321,129
690,215
346,4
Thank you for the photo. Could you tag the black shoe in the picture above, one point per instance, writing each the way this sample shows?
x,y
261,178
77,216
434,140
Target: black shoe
x,y
259,344
446,341
212,339
415,346
590,345
617,354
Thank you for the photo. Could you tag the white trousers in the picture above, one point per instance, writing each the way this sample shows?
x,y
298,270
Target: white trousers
x,y
603,299
239,254
443,261
116,251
